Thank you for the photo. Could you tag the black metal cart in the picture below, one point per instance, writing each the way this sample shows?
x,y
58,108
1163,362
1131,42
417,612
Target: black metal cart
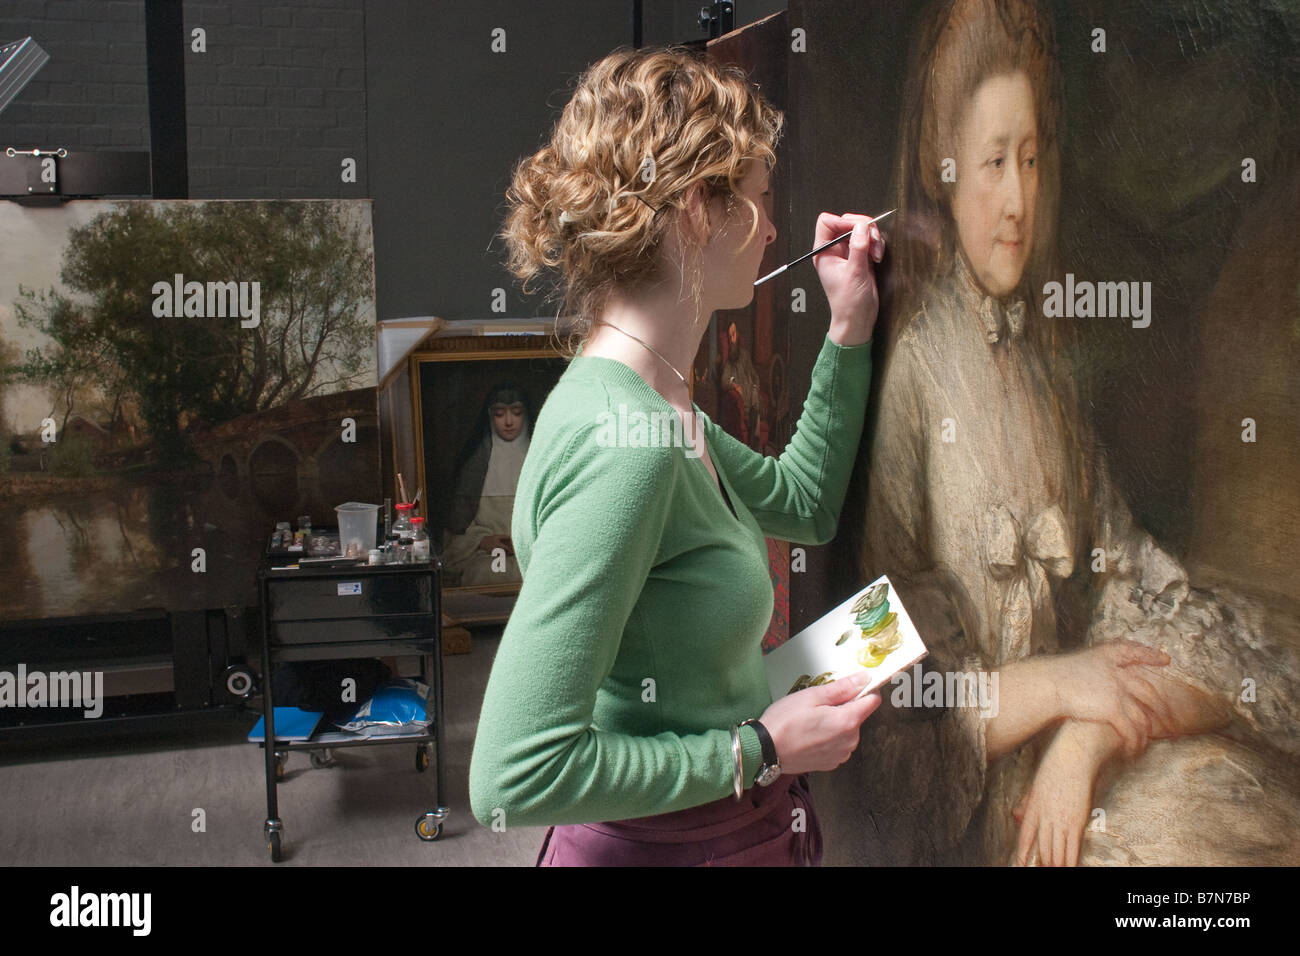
x,y
332,613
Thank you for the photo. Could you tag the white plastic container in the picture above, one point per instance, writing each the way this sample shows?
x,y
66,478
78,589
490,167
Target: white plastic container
x,y
358,528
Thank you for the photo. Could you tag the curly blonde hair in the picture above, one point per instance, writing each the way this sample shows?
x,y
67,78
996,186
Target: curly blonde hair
x,y
641,128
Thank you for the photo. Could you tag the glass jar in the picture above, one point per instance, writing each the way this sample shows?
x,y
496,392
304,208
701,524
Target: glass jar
x,y
402,526
420,548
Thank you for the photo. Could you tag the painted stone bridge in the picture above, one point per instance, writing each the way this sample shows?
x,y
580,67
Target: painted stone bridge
x,y
298,458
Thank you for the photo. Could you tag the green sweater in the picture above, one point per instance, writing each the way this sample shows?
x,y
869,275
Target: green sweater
x,y
634,644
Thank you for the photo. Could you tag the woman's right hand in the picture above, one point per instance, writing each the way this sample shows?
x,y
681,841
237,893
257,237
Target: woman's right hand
x,y
847,276
817,728
1101,684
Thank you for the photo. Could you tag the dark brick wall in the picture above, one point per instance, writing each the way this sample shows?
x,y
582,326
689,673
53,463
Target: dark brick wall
x,y
278,100
448,119
92,93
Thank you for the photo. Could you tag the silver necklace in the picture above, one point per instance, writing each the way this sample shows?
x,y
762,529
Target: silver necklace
x,y
649,346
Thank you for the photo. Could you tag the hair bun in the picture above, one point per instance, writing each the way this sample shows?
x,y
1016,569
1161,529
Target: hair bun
x,y
566,204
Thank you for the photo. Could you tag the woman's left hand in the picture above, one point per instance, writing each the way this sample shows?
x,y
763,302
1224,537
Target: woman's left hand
x,y
847,275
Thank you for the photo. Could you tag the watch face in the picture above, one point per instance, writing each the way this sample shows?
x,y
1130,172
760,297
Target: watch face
x,y
769,774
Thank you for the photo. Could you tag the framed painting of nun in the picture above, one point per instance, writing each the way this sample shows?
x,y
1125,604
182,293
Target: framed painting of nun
x,y
457,411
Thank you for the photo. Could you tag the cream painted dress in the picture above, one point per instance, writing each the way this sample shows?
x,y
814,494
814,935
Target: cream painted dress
x,y
461,551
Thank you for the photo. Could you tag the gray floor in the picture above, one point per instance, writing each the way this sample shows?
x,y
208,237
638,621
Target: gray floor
x,y
134,803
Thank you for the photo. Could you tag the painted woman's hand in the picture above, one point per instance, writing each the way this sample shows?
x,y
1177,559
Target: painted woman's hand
x,y
1052,816
490,542
847,274
1105,684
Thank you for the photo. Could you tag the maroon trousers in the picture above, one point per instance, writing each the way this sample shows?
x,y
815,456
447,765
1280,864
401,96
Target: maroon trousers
x,y
768,826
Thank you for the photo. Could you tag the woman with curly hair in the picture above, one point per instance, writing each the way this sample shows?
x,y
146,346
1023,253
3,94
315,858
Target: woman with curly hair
x,y
628,707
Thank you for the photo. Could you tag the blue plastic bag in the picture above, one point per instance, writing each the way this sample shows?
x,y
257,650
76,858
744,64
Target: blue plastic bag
x,y
398,707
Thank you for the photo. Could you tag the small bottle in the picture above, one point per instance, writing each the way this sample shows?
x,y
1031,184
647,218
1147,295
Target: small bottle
x,y
419,542
402,526
376,556
390,549
404,551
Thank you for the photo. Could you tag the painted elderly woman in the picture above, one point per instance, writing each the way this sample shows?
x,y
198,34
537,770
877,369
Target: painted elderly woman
x,y
990,505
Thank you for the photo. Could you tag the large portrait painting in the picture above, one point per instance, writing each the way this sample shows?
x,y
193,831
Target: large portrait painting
x,y
1079,464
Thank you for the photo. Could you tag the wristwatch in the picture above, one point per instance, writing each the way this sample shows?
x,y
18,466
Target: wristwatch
x,y
770,770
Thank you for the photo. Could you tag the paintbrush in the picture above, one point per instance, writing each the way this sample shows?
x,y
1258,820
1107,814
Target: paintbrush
x,y
809,255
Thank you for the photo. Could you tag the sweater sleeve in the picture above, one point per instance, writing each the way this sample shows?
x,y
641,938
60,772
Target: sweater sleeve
x,y
538,760
798,496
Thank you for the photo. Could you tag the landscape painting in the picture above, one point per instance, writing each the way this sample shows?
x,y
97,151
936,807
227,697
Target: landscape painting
x,y
175,378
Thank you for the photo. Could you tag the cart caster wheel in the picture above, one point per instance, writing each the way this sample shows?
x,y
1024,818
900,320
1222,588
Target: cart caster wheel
x,y
272,831
280,760
421,759
427,831
321,759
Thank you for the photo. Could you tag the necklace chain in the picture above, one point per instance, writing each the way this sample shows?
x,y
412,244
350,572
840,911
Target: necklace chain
x,y
649,346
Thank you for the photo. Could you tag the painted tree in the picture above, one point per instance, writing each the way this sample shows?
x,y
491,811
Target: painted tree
x,y
315,273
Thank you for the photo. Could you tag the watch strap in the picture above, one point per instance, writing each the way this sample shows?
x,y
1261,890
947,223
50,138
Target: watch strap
x,y
751,748
765,740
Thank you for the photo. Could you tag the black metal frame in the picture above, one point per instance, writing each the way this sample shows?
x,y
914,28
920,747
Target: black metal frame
x,y
198,645
165,48
381,624
719,18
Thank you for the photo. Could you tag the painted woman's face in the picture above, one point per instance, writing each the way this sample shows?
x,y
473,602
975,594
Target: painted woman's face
x,y
508,420
997,181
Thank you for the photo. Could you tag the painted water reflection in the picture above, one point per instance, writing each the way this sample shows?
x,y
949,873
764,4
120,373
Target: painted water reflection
x,y
122,544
